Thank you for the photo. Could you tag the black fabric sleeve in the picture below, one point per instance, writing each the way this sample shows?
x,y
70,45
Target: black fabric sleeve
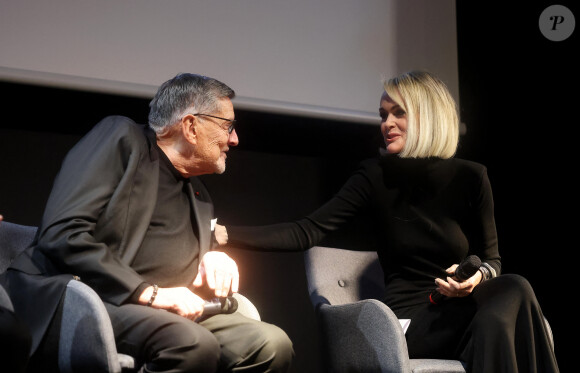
x,y
98,170
137,293
483,237
302,234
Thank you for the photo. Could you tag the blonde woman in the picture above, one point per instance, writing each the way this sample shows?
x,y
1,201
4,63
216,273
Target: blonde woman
x,y
433,211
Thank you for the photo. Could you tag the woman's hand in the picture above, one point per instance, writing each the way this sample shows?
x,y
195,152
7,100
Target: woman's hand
x,y
454,288
221,234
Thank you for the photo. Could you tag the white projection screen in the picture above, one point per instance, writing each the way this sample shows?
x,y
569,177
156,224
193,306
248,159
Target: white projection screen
x,y
317,58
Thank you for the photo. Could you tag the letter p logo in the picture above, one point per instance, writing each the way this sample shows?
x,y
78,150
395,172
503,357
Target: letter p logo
x,y
557,22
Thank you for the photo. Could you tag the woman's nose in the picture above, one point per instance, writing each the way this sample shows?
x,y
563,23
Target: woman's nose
x,y
387,123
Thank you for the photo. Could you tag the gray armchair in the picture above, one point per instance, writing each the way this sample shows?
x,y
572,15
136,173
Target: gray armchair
x,y
360,333
86,342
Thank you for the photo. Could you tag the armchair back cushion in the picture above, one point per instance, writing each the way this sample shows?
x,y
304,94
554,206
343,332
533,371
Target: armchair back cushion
x,y
338,276
14,238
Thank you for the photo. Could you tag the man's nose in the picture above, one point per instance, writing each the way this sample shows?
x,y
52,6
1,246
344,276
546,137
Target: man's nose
x,y
233,138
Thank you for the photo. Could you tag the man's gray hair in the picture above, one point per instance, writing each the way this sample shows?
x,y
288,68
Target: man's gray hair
x,y
185,93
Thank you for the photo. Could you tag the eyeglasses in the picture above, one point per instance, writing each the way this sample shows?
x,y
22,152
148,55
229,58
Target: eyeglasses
x,y
231,127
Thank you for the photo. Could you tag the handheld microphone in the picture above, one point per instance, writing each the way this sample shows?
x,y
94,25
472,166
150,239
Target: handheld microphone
x,y
467,268
220,305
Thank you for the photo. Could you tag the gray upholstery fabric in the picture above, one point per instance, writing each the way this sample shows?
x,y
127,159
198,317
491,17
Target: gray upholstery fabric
x,y
87,342
436,366
337,276
5,299
14,238
360,333
246,307
364,336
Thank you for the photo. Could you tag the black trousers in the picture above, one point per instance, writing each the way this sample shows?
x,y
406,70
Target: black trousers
x,y
15,342
162,341
499,328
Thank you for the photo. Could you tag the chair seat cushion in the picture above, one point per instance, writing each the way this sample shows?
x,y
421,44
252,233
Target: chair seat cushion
x,y
436,366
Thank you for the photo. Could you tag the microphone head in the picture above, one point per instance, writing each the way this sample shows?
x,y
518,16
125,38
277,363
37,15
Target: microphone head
x,y
220,305
230,305
468,267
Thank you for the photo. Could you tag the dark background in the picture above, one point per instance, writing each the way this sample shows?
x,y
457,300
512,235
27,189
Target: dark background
x,y
518,99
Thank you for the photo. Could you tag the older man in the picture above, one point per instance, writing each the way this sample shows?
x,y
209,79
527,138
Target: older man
x,y
129,217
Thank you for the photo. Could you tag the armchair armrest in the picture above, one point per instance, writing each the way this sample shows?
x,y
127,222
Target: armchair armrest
x,y
370,335
87,342
5,299
246,307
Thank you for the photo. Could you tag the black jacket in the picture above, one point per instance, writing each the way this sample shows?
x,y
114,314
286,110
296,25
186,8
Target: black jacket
x,y
96,217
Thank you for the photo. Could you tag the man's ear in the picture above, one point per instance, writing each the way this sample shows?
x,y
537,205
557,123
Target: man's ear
x,y
189,131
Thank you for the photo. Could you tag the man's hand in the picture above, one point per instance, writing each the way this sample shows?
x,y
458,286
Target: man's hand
x,y
219,272
177,300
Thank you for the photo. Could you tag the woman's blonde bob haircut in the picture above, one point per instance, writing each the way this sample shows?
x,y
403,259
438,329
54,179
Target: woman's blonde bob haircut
x,y
432,120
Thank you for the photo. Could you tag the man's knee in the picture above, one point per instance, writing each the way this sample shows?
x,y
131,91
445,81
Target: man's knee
x,y
277,347
162,341
251,345
189,349
201,354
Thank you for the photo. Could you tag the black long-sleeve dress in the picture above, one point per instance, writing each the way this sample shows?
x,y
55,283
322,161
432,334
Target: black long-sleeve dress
x,y
431,213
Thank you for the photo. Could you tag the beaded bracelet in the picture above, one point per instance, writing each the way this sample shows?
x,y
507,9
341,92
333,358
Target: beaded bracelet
x,y
484,274
152,299
487,272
